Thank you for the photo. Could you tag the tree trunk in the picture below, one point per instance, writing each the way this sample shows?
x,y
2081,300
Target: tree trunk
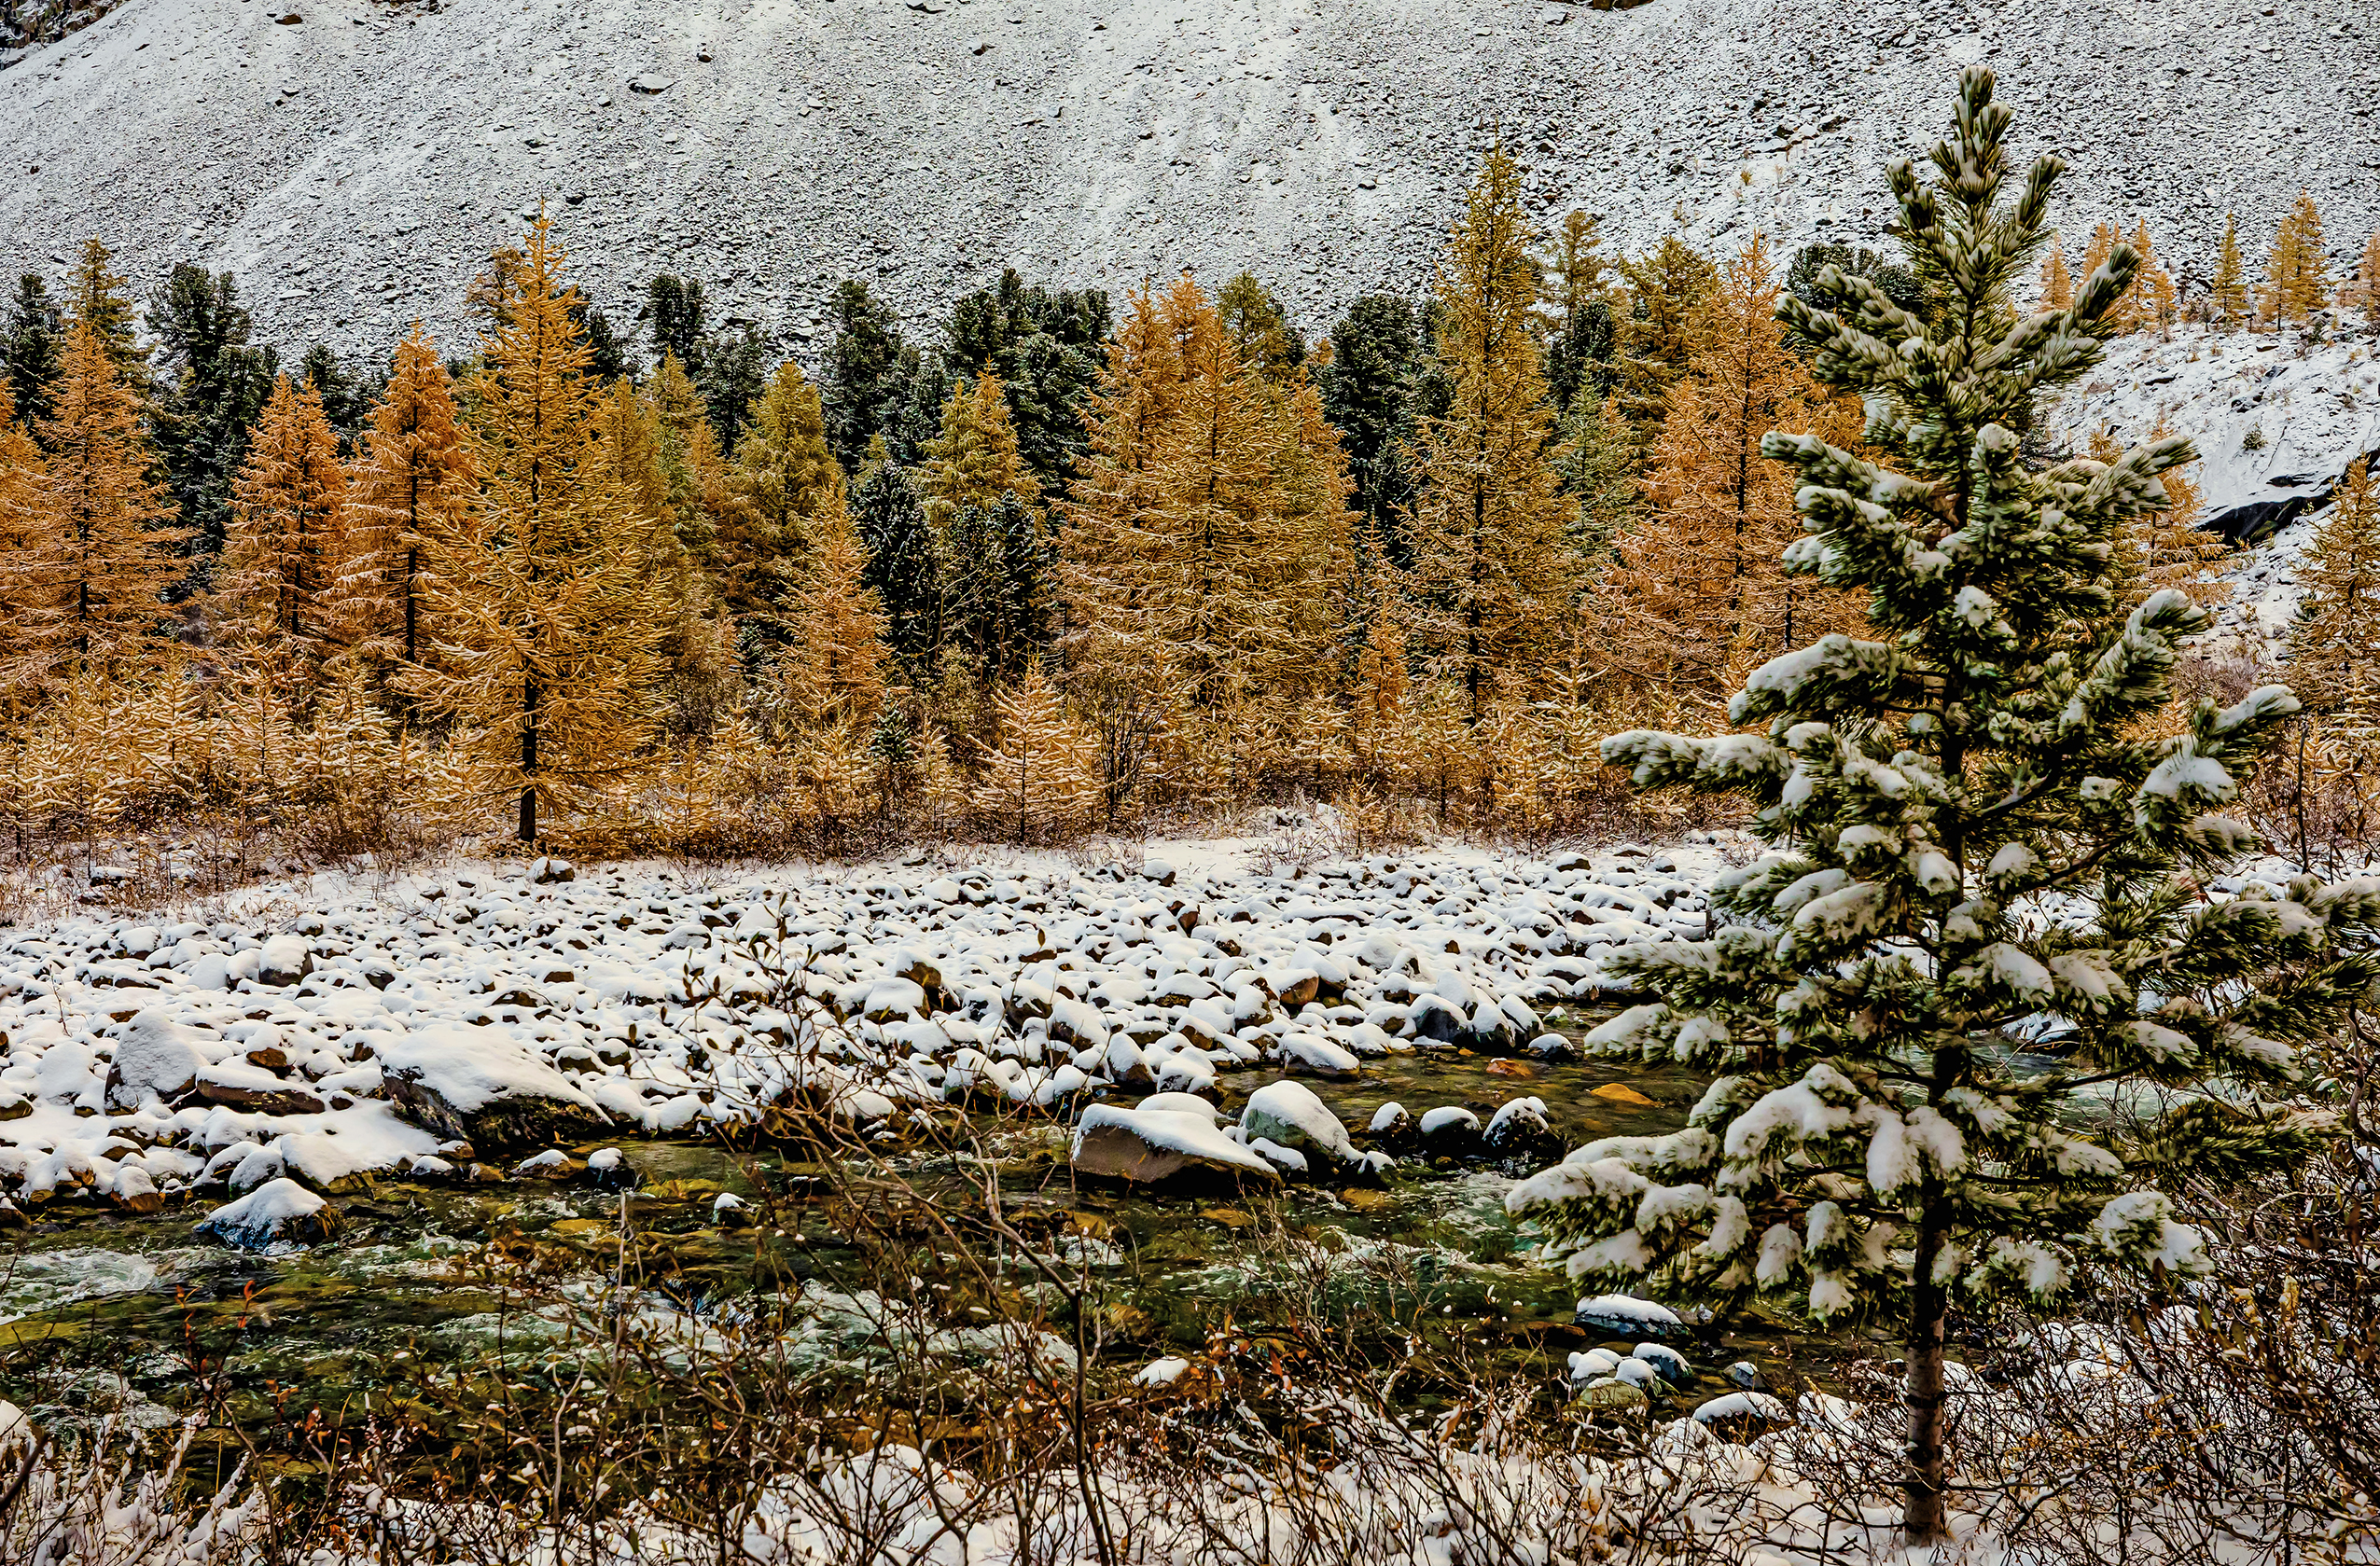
x,y
529,766
1928,1455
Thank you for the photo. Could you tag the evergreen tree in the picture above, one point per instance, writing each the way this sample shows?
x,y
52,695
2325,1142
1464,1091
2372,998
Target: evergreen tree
x,y
867,367
409,497
99,299
1045,347
33,349
609,356
676,308
1900,284
1868,1150
347,400
1367,388
2228,295
784,478
546,629
1596,463
217,385
993,588
89,590
2335,648
1666,289
1260,327
2057,282
736,374
281,593
1491,562
889,516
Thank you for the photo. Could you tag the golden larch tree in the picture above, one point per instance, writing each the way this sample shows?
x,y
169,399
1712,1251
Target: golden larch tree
x,y
21,486
1041,781
279,599
974,461
89,586
2335,645
546,626
691,463
2153,299
2057,282
2297,280
2367,276
784,478
831,674
99,298
410,494
1491,560
1699,593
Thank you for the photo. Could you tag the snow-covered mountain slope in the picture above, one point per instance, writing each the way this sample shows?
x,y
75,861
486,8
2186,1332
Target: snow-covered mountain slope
x,y
352,160
2275,419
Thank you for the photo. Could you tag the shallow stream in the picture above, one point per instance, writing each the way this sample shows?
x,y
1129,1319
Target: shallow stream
x,y
106,1312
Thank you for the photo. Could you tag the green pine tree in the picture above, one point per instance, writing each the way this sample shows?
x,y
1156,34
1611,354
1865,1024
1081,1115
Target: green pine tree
x,y
1665,290
1976,838
889,514
1367,388
1260,327
33,349
866,369
215,385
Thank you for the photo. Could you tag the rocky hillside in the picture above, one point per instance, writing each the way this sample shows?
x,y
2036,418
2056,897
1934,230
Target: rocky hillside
x,y
352,160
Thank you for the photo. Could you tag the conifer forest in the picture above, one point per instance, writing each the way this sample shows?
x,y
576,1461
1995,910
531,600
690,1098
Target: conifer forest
x,y
1633,899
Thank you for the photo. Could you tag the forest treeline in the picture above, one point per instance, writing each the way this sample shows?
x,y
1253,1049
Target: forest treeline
x,y
1059,562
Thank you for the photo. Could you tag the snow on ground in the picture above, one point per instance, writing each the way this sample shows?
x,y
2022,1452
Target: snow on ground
x,y
336,1027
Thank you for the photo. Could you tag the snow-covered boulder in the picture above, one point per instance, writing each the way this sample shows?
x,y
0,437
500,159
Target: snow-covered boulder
x,y
278,1213
1289,1115
1450,1131
284,959
483,1085
155,1056
1520,1129
1627,1316
1147,1145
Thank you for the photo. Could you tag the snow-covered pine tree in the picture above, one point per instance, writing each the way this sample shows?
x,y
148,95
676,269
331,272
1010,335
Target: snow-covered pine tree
x,y
1973,845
